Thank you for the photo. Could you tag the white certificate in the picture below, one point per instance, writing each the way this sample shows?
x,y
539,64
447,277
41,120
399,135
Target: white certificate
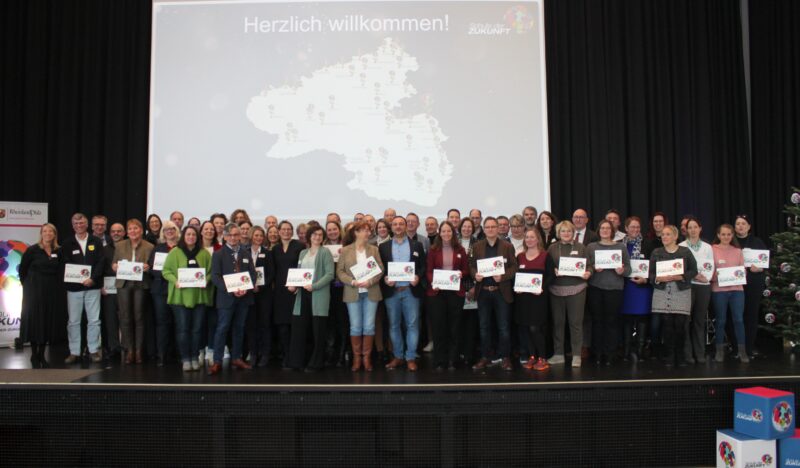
x,y
110,284
640,269
669,267
571,266
756,258
446,280
470,304
130,271
731,276
607,259
238,282
158,261
365,271
74,273
491,266
528,283
192,277
335,250
300,277
259,276
400,271
706,269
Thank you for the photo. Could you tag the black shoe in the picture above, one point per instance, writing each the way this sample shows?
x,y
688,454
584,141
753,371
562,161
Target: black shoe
x,y
312,370
160,361
451,366
263,361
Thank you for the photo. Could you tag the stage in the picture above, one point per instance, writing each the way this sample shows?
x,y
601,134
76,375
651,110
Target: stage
x,y
627,415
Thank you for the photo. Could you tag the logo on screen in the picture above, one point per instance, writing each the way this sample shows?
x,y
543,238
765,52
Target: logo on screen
x,y
519,19
782,416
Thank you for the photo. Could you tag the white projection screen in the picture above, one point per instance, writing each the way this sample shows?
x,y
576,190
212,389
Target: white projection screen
x,y
298,109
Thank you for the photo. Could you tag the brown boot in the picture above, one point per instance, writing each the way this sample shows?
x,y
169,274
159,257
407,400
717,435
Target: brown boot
x,y
129,357
367,351
355,342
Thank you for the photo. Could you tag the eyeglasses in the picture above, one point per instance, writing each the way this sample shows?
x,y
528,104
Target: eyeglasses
x,y
516,226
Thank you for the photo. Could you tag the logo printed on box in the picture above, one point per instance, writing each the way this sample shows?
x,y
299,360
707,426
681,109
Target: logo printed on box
x,y
726,453
782,416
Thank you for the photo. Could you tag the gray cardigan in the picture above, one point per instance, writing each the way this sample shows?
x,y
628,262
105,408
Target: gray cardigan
x,y
609,279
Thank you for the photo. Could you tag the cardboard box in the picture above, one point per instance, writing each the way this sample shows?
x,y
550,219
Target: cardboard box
x,y
789,450
736,450
763,413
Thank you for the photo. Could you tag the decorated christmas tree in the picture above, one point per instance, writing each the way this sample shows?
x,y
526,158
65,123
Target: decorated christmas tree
x,y
782,295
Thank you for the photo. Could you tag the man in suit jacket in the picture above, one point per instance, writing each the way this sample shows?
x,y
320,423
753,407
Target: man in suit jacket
x,y
83,249
583,234
99,225
402,297
231,307
494,294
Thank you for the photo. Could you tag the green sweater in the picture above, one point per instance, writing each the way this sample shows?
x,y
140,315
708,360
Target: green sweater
x,y
321,291
187,297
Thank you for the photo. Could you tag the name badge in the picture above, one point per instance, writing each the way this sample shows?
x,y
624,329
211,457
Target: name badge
x,y
192,262
458,255
53,255
416,254
505,260
76,252
522,267
245,260
574,252
261,255
721,261
91,248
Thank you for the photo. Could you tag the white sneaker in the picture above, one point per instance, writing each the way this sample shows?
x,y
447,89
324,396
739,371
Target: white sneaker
x,y
209,357
428,348
202,355
196,365
227,354
576,361
187,366
556,359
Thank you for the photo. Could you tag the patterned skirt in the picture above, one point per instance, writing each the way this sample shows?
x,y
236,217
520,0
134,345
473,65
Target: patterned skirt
x,y
672,300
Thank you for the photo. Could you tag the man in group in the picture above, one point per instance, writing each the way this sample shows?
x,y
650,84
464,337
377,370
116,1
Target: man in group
x,y
454,216
358,217
389,215
431,229
412,225
402,297
583,234
372,222
477,218
270,221
83,249
99,224
108,304
615,219
503,226
494,295
529,215
177,218
333,217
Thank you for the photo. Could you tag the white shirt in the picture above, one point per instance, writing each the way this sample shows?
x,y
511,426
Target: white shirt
x,y
518,244
82,242
580,235
703,255
619,236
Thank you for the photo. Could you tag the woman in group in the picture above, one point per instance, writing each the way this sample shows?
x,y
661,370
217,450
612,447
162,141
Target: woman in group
x,y
219,220
446,306
701,290
158,290
361,297
310,313
517,235
605,293
568,294
284,256
153,229
531,309
302,228
672,294
43,298
194,222
131,294
469,322
383,232
638,293
239,216
188,303
273,237
244,229
258,325
754,289
547,228
338,326
657,223
727,254
208,234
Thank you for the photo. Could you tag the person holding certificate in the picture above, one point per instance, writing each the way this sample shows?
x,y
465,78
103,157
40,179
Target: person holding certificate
x,y
361,297
130,293
494,291
672,269
727,254
338,326
470,331
159,288
701,290
108,303
568,291
228,266
188,302
42,294
446,258
754,289
310,315
531,308
638,294
259,318
284,257
611,265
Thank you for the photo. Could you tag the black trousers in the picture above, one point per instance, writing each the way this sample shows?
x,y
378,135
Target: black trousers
x,y
307,332
445,309
674,334
469,334
110,323
604,305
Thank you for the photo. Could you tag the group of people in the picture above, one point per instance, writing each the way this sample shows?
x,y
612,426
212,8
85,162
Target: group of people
x,y
357,310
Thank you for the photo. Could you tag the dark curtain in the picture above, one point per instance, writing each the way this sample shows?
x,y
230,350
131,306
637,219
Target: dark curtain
x,y
647,108
775,90
74,97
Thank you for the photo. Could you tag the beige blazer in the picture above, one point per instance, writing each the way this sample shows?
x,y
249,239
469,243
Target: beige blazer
x,y
123,251
346,260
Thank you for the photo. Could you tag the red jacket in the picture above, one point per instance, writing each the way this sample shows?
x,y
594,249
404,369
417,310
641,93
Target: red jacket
x,y
435,262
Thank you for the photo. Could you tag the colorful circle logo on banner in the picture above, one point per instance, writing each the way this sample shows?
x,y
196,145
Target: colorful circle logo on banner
x,y
10,257
726,454
782,416
519,19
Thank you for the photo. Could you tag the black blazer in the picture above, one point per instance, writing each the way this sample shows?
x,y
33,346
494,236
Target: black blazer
x,y
222,263
589,236
264,259
71,252
417,256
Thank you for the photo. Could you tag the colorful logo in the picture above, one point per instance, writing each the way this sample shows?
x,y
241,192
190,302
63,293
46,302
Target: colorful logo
x,y
2,213
455,278
371,264
726,453
579,265
738,274
408,269
766,459
137,269
199,275
498,263
536,281
85,273
519,19
307,275
707,266
757,416
643,267
677,265
616,257
245,279
763,257
782,416
10,257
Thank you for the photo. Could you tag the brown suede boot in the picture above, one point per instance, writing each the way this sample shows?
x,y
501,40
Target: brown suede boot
x,y
367,352
355,342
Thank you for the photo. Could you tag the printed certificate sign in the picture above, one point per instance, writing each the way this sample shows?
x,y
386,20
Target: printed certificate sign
x,y
110,284
706,268
756,258
571,266
238,282
335,250
607,259
446,280
400,271
259,276
300,277
491,266
74,273
640,269
158,261
192,277
365,271
130,271
528,283
669,267
731,276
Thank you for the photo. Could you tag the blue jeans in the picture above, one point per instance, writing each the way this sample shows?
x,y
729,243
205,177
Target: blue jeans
x,y
362,316
189,330
403,306
76,301
228,317
721,300
488,302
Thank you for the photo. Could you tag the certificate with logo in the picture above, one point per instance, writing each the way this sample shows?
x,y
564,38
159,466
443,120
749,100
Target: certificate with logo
x,y
192,277
366,270
731,276
756,258
235,282
110,284
528,283
491,266
640,269
335,250
706,268
400,271
130,271
571,266
607,259
260,276
669,267
300,277
158,261
74,273
446,280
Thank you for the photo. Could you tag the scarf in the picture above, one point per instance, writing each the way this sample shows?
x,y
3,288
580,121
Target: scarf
x,y
634,246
